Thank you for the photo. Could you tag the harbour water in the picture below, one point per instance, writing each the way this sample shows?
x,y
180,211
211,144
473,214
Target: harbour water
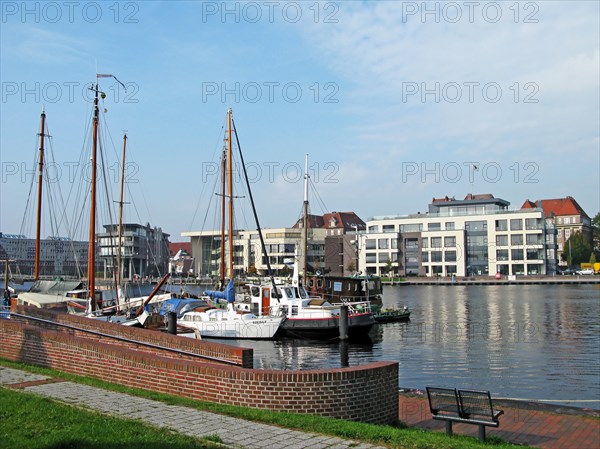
x,y
534,342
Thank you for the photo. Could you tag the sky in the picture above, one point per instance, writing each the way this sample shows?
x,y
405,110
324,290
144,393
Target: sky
x,y
394,102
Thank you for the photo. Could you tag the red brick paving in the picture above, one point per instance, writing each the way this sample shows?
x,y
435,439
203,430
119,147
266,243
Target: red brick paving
x,y
519,425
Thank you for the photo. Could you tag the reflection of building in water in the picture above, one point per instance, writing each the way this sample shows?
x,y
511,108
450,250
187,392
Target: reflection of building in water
x,y
478,235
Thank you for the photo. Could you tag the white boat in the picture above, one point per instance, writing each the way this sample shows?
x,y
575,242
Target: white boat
x,y
207,321
305,316
214,322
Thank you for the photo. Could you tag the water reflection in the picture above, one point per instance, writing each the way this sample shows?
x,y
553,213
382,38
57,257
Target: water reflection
x,y
528,341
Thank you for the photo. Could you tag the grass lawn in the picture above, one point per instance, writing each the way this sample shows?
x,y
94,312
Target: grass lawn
x,y
29,421
391,436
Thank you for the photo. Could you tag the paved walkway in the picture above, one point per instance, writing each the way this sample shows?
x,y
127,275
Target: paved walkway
x,y
544,426
234,432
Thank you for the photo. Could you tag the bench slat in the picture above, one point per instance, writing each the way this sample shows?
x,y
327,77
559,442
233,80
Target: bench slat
x,y
443,400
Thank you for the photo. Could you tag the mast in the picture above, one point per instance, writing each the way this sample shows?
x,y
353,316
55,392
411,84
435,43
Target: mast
x,y
92,235
121,215
258,228
230,191
305,223
36,272
223,178
6,290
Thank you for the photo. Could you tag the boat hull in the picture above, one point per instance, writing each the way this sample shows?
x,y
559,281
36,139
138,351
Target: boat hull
x,y
359,325
259,329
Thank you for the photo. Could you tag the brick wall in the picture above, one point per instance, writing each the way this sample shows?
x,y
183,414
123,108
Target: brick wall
x,y
367,393
241,356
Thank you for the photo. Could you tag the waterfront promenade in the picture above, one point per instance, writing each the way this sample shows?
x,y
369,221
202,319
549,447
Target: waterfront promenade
x,y
547,427
491,280
523,423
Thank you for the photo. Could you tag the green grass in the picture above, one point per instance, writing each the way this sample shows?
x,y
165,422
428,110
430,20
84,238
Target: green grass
x,y
398,436
29,421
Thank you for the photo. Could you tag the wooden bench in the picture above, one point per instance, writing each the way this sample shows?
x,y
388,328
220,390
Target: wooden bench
x,y
463,406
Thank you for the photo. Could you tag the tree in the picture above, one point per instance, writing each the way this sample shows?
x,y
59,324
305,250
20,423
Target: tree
x,y
596,235
252,269
576,250
593,258
351,267
389,268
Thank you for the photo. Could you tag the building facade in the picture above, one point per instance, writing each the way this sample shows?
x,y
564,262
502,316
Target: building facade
x,y
477,236
59,256
144,250
568,217
282,245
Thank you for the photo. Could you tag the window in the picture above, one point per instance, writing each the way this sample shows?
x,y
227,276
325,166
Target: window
x,y
425,257
533,254
436,242
383,244
449,226
567,234
373,229
394,257
501,254
436,256
450,270
501,225
425,242
473,226
434,226
383,257
518,269
533,239
394,243
531,223
502,240
370,244
389,228
516,224
567,220
449,242
371,257
450,256
516,254
516,239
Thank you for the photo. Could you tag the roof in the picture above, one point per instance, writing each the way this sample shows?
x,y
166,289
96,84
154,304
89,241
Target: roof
x,y
557,207
335,220
175,247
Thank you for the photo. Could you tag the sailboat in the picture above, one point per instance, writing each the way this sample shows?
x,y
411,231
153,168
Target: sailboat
x,y
45,293
231,322
306,316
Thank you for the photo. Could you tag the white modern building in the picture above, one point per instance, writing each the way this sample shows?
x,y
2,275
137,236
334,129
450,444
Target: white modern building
x,y
476,236
281,246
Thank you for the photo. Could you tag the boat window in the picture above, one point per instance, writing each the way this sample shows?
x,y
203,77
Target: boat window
x,y
303,293
255,291
294,310
288,292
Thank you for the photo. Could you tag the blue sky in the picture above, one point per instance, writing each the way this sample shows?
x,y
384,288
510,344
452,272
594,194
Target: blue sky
x,y
393,101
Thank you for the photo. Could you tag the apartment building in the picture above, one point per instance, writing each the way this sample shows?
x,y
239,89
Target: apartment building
x,y
476,236
59,256
568,218
144,250
281,244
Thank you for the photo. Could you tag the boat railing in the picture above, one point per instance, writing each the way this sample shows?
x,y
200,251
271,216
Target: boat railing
x,y
355,307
